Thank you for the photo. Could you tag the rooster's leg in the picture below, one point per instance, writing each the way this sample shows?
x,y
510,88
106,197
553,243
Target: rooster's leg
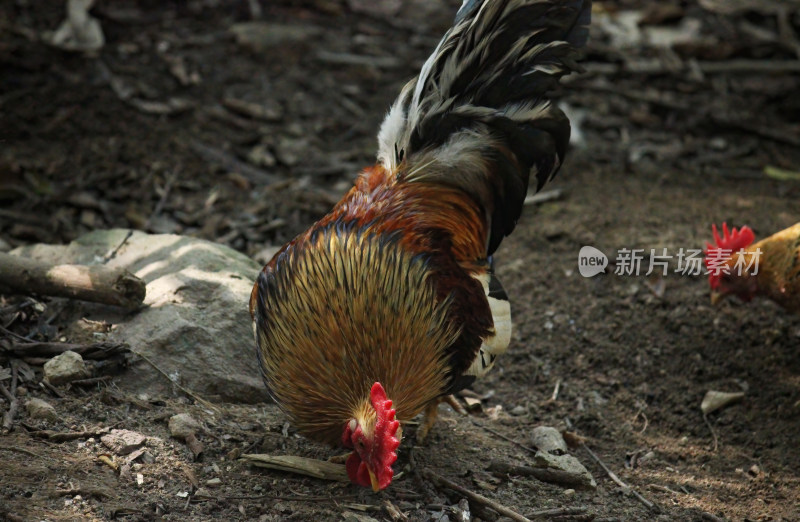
x,y
453,402
428,420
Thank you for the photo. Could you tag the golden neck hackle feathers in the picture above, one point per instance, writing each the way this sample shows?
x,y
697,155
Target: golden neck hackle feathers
x,y
348,308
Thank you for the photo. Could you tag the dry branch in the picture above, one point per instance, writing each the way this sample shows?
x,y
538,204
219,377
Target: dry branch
x,y
95,351
13,402
300,465
97,284
475,497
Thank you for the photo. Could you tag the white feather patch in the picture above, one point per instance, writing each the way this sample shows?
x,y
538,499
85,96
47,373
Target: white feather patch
x,y
497,343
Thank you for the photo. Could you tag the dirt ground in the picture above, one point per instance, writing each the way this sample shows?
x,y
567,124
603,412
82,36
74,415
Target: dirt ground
x,y
191,119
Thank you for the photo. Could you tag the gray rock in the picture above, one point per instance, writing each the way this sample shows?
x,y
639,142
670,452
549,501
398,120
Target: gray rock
x,y
182,425
567,464
39,409
64,368
123,442
549,440
195,325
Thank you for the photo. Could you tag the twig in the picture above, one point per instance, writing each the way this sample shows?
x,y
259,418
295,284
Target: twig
x,y
61,436
296,498
15,335
24,451
52,389
475,497
96,351
509,439
97,284
111,255
543,197
554,397
188,392
664,489
162,201
13,402
394,512
713,433
613,476
91,381
560,512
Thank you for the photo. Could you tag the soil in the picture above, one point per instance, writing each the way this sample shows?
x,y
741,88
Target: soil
x,y
154,132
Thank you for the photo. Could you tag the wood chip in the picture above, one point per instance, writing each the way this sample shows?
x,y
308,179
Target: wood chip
x,y
715,400
300,465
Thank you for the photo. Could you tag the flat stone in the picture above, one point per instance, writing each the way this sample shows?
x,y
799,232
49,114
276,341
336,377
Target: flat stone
x,y
123,442
195,324
182,425
567,464
548,440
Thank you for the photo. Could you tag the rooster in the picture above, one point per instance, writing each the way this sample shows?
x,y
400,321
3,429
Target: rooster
x,y
770,267
389,303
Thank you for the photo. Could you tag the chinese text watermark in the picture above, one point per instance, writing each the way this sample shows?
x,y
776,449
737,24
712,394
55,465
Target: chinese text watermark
x,y
688,261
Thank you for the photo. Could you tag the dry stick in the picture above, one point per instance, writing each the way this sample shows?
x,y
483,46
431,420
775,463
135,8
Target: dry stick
x,y
713,433
111,255
15,335
91,381
188,392
554,397
162,201
613,476
13,406
89,283
560,512
24,451
394,512
509,439
96,351
475,497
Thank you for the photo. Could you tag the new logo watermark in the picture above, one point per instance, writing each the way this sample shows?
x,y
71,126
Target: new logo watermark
x,y
691,261
591,261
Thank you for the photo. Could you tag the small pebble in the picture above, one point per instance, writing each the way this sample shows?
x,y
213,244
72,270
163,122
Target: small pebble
x,y
569,492
518,410
182,425
39,409
213,482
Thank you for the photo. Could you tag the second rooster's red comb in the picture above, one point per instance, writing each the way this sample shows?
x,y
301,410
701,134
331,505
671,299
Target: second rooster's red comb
x,y
733,240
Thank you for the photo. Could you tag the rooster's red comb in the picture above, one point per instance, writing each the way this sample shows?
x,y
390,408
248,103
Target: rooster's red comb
x,y
731,242
385,439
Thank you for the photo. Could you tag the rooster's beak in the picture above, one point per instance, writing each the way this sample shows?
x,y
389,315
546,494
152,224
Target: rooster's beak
x,y
716,297
374,480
